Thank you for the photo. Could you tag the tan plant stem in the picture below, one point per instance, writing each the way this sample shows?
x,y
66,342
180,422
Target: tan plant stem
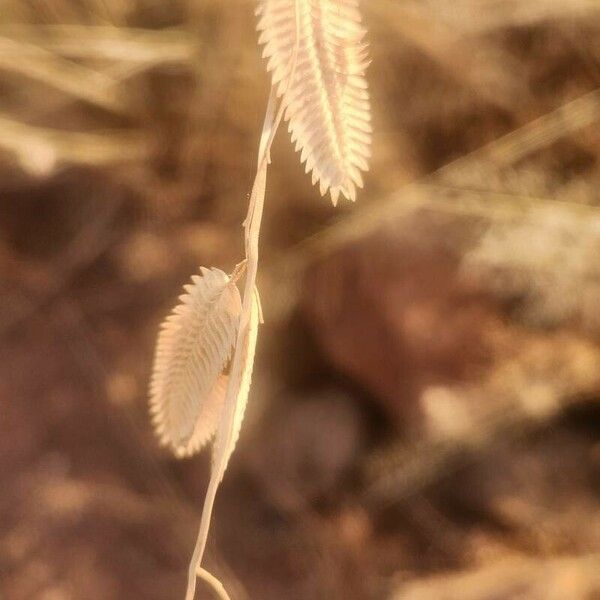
x,y
252,231
214,583
273,117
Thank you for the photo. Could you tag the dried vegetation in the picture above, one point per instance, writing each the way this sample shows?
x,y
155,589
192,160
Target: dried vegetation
x,y
424,421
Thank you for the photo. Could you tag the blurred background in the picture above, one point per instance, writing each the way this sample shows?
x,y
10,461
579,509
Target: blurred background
x,y
424,423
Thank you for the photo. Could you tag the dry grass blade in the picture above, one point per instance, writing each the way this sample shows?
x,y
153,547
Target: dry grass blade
x,y
455,177
478,16
64,75
39,150
540,133
105,43
240,388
